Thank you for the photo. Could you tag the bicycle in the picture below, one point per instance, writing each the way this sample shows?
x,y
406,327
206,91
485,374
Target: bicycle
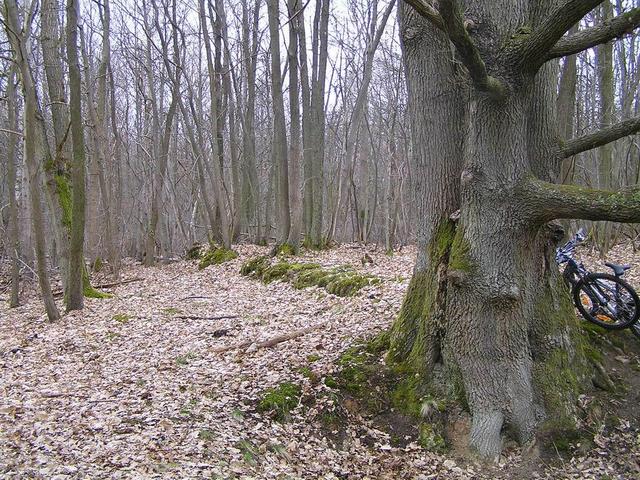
x,y
601,298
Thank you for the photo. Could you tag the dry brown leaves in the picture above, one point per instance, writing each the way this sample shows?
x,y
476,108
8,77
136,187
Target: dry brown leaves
x,y
128,389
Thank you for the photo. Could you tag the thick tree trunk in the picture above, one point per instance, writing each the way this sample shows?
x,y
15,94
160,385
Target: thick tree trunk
x,y
485,319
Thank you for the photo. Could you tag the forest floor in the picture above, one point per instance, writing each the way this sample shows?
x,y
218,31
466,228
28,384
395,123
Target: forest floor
x,y
133,387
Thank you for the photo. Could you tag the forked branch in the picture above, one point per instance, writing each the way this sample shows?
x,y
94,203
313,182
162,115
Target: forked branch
x,y
601,137
427,11
549,201
469,54
533,51
614,28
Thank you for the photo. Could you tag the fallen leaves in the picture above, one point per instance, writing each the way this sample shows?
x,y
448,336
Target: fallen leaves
x,y
172,392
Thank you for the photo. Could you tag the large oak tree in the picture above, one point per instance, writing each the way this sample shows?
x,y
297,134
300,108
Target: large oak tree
x,y
486,317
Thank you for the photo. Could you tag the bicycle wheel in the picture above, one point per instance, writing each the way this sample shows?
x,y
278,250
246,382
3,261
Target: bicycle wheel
x,y
607,301
635,328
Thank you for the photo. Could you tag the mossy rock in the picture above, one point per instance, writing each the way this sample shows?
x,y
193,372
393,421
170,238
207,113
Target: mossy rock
x,y
281,400
216,256
342,281
349,284
195,252
255,266
284,250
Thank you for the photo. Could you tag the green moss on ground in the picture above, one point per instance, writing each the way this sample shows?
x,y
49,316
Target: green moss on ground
x,y
215,256
285,250
341,281
281,400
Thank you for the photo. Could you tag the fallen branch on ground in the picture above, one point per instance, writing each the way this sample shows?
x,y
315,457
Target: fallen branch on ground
x,y
58,293
271,342
196,317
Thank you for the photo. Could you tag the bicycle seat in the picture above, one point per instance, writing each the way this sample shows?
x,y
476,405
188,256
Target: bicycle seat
x,y
618,269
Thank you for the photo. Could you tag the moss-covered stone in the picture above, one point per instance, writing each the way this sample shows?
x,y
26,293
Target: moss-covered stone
x,y
281,400
215,256
195,252
342,281
348,284
255,266
285,250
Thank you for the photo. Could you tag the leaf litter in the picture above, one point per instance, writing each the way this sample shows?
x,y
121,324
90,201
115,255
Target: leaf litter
x,y
135,386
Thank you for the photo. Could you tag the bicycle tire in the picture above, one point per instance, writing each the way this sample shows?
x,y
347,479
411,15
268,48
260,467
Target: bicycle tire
x,y
635,328
585,295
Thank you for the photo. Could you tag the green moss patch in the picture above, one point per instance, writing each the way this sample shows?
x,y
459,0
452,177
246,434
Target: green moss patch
x,y
341,281
280,400
215,256
395,400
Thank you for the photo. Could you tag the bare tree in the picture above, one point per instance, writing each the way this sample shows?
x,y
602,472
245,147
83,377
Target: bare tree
x,y
12,139
34,152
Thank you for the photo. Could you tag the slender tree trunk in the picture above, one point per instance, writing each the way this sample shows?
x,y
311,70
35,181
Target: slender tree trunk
x,y
250,188
13,243
279,154
75,298
216,126
57,192
566,110
18,37
294,145
607,107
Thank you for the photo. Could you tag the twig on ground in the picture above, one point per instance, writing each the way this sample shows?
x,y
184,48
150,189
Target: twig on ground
x,y
196,317
271,342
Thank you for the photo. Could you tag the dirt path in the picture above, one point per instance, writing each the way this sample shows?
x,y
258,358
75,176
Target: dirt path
x,y
129,389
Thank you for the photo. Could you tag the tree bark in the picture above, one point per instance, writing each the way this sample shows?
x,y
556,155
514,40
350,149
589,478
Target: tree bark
x,y
13,242
75,297
33,155
279,154
295,198
485,319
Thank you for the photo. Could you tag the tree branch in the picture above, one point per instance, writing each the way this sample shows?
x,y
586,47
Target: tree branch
x,y
469,54
549,201
427,11
534,49
601,137
614,28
